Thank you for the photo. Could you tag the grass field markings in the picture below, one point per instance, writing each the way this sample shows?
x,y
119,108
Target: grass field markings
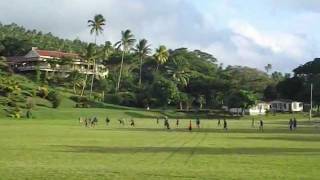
x,y
193,150
177,149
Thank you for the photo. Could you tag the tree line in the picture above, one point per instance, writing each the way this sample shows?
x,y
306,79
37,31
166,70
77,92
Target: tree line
x,y
142,76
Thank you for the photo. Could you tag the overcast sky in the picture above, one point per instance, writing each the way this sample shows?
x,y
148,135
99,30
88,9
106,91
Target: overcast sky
x,y
254,33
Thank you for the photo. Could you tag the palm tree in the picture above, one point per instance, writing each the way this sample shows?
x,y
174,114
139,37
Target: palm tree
x,y
96,26
179,72
161,55
90,57
3,63
268,67
76,79
107,51
142,49
126,42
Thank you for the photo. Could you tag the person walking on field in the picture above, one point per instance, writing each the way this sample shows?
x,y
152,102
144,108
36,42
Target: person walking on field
x,y
294,123
219,123
198,122
107,121
177,122
290,124
190,126
166,123
252,123
225,125
261,125
132,122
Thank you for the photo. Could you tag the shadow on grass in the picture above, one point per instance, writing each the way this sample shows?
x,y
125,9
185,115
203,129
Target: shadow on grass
x,y
140,115
304,130
189,150
289,138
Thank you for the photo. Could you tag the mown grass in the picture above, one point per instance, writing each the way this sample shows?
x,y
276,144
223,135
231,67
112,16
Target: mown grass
x,y
55,146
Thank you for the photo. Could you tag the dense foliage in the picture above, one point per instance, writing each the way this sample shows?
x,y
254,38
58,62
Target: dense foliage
x,y
139,76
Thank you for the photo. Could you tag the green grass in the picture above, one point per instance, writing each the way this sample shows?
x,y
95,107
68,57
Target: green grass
x,y
55,146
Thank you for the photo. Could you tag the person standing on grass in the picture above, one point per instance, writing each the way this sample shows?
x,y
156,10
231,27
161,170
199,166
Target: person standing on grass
x,y
107,121
177,123
198,122
219,123
225,125
166,123
190,126
294,123
157,120
261,125
252,123
86,122
290,124
132,122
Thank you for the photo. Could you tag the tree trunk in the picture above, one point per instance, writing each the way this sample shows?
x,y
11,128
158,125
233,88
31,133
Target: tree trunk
x,y
120,73
74,89
140,74
157,67
85,81
93,71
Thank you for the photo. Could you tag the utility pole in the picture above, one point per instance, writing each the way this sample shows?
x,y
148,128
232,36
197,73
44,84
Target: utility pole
x,y
310,113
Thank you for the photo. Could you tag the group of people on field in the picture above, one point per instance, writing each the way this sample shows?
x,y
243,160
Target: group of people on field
x,y
88,122
92,122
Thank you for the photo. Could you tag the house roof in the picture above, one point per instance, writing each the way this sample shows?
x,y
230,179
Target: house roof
x,y
56,54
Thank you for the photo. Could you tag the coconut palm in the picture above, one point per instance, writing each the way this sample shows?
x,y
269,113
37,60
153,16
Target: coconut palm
x,y
126,42
107,51
96,26
161,55
142,49
90,57
3,63
268,67
76,80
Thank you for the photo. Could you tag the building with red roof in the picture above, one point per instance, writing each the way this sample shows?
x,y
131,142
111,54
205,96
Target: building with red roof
x,y
54,61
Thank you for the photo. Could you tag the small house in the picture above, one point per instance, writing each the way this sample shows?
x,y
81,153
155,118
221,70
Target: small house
x,y
285,105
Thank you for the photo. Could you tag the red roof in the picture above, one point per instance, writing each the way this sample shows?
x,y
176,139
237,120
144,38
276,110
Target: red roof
x,y
56,54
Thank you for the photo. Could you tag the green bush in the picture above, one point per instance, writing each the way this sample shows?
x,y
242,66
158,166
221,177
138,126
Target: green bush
x,y
79,99
113,99
42,92
55,98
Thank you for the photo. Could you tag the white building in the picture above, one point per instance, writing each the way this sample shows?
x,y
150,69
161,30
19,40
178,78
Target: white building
x,y
260,108
40,59
286,106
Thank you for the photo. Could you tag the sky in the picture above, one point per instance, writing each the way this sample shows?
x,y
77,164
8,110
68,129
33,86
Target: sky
x,y
254,33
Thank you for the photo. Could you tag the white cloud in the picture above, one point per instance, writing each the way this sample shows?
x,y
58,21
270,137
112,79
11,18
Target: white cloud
x,y
277,42
178,23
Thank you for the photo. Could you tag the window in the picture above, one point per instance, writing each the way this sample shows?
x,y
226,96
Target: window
x,y
294,105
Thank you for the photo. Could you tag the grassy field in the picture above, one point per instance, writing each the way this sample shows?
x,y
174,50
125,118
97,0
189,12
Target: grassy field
x,y
55,146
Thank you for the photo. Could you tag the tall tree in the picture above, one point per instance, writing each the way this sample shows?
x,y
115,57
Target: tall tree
x,y
161,55
107,51
96,27
268,68
89,56
142,49
126,42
